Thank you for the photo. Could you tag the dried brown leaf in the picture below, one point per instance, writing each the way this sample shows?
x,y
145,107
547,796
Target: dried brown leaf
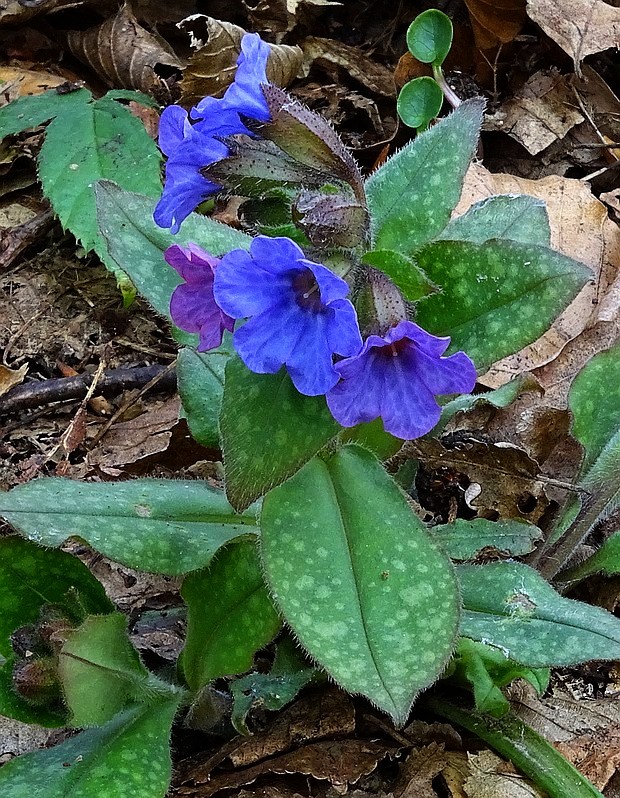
x,y
581,229
581,27
542,112
280,16
496,22
211,68
492,777
19,82
9,378
330,54
126,55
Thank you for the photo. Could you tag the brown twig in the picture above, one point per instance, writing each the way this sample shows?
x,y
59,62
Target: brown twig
x,y
36,393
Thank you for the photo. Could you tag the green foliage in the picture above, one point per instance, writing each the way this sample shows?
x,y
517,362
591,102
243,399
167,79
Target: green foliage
x,y
487,670
412,195
403,271
605,561
100,670
164,526
27,112
419,102
429,37
32,579
230,615
463,540
359,580
269,431
200,381
513,216
510,606
497,296
128,756
136,244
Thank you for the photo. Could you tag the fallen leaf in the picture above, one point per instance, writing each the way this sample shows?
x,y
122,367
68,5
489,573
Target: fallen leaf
x,y
9,378
331,54
542,112
496,22
581,27
415,779
21,82
280,16
581,229
18,738
126,55
211,69
492,777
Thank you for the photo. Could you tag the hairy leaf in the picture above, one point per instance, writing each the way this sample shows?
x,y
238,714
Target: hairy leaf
x,y
359,579
27,112
463,540
230,615
497,296
269,431
513,216
164,526
403,271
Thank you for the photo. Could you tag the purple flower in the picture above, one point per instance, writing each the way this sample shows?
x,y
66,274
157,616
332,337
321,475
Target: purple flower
x,y
191,147
192,305
299,316
396,377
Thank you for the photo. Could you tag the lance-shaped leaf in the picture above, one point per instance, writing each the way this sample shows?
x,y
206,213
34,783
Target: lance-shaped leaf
x,y
510,606
413,194
403,271
100,670
514,216
496,297
230,615
164,526
269,431
32,577
331,220
464,540
308,138
255,166
130,755
359,580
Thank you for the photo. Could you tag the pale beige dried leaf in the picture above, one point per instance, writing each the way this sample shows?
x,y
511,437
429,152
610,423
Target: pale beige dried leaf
x,y
331,53
212,67
493,777
9,378
542,112
581,229
124,54
21,82
581,27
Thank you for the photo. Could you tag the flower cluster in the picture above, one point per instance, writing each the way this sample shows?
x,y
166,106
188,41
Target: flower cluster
x,y
286,310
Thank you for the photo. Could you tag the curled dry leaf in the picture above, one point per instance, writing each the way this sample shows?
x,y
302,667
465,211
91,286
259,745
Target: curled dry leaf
x,y
280,16
581,27
496,22
581,229
126,55
212,67
492,777
9,378
331,54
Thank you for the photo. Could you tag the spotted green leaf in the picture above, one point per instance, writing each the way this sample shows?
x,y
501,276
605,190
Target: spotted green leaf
x,y
136,244
200,380
463,540
30,578
269,431
429,37
164,526
359,580
496,297
100,670
510,606
403,271
230,615
412,195
129,756
513,216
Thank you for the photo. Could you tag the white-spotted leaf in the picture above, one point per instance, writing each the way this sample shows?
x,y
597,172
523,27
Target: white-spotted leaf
x,y
513,216
463,540
359,580
230,615
164,526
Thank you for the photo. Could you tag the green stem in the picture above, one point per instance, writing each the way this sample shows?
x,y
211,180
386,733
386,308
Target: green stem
x,y
524,747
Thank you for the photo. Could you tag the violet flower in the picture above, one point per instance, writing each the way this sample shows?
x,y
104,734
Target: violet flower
x,y
191,147
396,377
298,314
192,305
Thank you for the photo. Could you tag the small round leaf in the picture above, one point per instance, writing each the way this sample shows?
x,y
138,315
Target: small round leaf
x,y
419,102
430,36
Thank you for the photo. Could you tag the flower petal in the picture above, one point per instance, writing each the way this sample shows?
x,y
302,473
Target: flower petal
x,y
244,288
331,286
454,374
356,398
430,344
408,408
193,264
245,94
342,329
277,254
310,363
266,341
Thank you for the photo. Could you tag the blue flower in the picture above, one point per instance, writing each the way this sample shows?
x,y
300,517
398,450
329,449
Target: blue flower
x,y
298,314
191,147
396,377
